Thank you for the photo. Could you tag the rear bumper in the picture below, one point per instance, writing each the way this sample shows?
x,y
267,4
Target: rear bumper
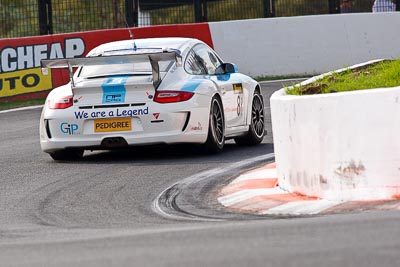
x,y
53,145
184,122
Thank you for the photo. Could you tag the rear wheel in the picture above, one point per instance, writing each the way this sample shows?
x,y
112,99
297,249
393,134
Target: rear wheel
x,y
216,130
256,132
67,154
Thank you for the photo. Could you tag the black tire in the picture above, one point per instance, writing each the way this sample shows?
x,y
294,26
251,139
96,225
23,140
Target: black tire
x,y
216,129
67,154
256,132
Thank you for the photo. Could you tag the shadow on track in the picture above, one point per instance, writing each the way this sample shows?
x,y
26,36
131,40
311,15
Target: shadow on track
x,y
163,154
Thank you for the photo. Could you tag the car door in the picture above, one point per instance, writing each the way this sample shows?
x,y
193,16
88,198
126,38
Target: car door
x,y
230,85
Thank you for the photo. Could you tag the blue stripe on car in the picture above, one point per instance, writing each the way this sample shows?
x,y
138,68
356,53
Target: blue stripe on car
x,y
114,90
191,85
224,77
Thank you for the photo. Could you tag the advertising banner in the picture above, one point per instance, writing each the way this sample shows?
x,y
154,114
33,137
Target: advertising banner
x,y
21,74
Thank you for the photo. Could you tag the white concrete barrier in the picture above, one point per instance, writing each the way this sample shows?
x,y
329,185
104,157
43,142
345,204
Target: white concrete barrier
x,y
341,146
306,45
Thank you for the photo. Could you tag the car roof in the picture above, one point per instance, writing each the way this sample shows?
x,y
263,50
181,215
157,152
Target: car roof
x,y
164,43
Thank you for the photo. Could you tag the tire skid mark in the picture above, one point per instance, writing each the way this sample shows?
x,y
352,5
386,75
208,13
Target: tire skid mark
x,y
56,204
166,202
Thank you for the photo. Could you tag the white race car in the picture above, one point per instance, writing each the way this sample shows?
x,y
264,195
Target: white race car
x,y
150,91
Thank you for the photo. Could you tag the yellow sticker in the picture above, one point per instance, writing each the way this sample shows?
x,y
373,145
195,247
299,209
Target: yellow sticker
x,y
238,88
112,125
24,82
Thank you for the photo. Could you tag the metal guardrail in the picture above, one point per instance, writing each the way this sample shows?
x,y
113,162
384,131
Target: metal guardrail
x,y
34,17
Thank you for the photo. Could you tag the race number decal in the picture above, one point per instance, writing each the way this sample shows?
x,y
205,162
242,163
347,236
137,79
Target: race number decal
x,y
238,90
239,105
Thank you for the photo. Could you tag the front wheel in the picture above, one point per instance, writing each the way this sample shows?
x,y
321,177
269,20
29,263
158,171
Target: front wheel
x,y
216,129
256,132
67,154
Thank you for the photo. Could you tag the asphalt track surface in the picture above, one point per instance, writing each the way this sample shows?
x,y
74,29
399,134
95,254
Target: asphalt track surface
x,y
156,207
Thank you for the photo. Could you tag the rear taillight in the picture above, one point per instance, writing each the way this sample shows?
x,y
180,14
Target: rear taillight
x,y
172,96
61,103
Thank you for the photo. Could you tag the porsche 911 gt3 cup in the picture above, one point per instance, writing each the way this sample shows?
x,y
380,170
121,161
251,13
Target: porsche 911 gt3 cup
x,y
150,91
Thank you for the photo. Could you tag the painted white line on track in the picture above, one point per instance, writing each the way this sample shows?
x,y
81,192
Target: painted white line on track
x,y
40,106
309,207
19,109
260,174
243,195
285,80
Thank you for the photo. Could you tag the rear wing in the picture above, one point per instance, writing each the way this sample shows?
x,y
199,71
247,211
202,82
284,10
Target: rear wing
x,y
153,57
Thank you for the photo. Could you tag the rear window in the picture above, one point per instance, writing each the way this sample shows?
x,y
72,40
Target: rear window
x,y
137,68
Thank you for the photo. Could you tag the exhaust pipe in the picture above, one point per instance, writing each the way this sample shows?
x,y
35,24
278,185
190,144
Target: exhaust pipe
x,y
114,142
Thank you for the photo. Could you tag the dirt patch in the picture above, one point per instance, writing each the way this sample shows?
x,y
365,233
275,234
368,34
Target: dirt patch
x,y
312,89
351,170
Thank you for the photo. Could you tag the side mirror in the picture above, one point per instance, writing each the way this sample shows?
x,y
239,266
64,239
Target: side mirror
x,y
226,68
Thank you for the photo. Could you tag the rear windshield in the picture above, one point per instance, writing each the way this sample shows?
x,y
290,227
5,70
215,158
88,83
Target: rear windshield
x,y
137,68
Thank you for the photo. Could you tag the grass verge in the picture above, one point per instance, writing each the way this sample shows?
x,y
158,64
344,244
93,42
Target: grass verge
x,y
21,103
383,74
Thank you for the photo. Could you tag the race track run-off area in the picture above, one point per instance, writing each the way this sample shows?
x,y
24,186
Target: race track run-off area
x,y
113,209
